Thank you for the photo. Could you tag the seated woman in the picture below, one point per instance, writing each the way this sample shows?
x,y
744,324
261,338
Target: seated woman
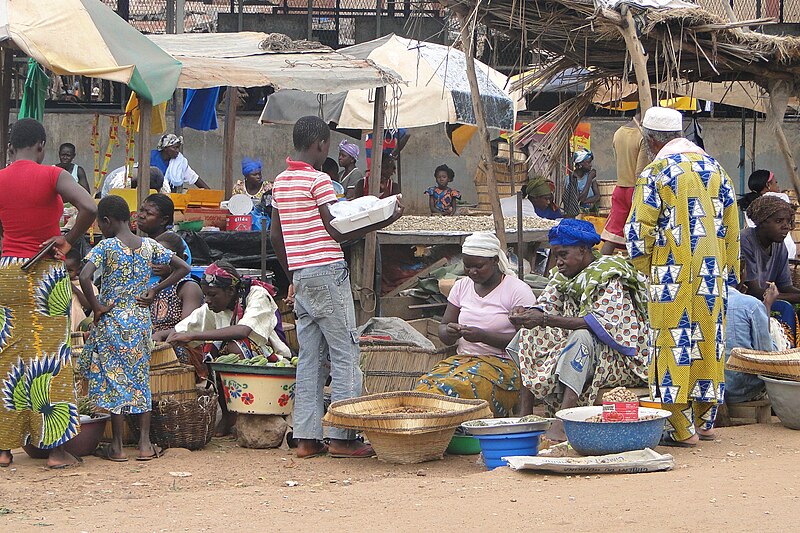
x,y
589,329
253,184
239,316
477,319
176,303
388,187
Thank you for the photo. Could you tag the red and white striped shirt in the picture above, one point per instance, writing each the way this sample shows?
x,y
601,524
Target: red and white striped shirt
x,y
297,193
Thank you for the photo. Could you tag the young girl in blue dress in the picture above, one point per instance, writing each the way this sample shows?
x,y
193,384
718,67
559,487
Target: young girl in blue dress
x,y
116,357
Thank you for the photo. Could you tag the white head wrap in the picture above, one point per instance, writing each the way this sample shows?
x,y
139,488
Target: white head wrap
x,y
487,245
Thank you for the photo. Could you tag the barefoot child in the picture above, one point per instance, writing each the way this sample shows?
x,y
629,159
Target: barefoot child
x,y
307,247
80,305
116,357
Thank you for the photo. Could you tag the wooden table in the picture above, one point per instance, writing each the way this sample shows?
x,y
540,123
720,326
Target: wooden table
x,y
535,236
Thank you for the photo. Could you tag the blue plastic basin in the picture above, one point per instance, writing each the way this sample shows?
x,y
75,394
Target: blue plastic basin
x,y
198,271
495,447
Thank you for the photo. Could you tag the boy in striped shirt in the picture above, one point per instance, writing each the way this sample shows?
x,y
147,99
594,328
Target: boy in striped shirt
x,y
307,247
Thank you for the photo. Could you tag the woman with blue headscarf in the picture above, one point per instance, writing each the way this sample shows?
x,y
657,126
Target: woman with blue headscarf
x,y
253,184
589,328
581,194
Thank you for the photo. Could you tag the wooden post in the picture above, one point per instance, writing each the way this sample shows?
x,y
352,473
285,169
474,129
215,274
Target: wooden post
x,y
639,59
143,172
228,141
5,102
483,134
367,283
786,150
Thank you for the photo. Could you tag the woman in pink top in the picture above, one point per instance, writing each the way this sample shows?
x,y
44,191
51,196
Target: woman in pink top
x,y
477,320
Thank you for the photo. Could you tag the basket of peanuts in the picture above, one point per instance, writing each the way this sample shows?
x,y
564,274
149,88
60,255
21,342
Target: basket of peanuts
x,y
620,405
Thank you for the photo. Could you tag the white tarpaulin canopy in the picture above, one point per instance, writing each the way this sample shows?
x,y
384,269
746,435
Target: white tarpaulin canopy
x,y
240,60
436,90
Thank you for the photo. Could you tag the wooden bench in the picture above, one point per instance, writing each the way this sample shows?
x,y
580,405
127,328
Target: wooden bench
x,y
740,414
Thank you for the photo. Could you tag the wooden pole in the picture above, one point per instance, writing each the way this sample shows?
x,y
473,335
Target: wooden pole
x,y
228,141
786,150
638,57
483,133
143,172
367,298
5,102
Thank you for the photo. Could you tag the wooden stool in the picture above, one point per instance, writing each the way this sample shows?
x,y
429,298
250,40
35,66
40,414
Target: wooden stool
x,y
740,414
638,391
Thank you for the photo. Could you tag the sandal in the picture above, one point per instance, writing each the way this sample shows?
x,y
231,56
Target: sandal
x,y
157,452
669,440
104,452
64,466
360,453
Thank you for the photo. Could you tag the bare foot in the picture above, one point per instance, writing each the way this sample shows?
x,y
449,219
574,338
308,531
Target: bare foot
x,y
307,448
225,426
350,449
59,458
6,458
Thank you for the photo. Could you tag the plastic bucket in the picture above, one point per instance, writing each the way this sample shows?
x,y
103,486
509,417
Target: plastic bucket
x,y
495,447
198,271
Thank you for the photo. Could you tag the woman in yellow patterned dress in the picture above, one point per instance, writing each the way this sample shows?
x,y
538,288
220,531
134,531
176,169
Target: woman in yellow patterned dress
x,y
683,232
37,390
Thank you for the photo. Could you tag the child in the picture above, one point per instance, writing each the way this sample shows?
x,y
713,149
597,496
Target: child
x,y
177,302
116,357
66,156
442,199
239,317
73,263
307,247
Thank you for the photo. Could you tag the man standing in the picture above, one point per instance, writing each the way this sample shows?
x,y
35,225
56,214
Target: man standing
x,y
631,156
683,232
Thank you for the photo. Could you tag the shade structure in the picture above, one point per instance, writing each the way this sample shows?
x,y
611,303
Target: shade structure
x,y
250,59
436,90
87,38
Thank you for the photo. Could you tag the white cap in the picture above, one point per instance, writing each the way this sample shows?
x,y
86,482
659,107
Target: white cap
x,y
662,119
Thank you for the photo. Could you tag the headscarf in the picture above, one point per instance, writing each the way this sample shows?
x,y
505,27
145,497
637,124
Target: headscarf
x,y
250,165
573,232
167,140
765,206
215,276
487,245
581,155
349,148
537,186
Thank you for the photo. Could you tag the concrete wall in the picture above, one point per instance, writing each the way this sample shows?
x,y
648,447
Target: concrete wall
x,y
427,148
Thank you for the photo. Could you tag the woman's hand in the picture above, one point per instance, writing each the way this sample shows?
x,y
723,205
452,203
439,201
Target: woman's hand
x,y
290,296
100,311
147,298
162,271
61,247
526,317
179,338
454,329
770,295
472,334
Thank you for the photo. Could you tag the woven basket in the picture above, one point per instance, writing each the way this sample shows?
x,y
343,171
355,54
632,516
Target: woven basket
x,y
177,383
76,340
784,365
183,424
163,357
374,412
291,337
794,270
406,437
502,173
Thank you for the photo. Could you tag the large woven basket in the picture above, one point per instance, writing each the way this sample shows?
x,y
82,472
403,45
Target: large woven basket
x,y
388,367
176,383
290,330
406,437
163,356
182,424
784,365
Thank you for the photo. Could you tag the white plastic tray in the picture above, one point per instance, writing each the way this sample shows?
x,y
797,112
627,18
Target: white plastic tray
x,y
381,211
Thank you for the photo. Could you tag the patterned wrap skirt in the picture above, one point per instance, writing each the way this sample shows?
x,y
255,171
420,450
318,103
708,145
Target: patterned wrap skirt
x,y
38,388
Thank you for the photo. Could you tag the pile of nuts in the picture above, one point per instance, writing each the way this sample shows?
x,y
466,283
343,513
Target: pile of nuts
x,y
599,418
457,224
619,395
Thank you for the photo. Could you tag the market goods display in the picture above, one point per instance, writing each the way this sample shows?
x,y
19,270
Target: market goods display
x,y
620,405
460,224
599,418
620,394
259,360
506,426
782,365
590,437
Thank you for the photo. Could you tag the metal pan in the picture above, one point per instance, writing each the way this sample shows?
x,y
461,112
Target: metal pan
x,y
512,425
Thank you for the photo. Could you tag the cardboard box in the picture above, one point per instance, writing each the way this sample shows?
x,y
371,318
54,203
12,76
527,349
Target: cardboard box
x,y
240,223
620,411
210,217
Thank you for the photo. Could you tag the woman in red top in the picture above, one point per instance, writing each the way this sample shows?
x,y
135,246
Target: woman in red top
x,y
388,187
37,394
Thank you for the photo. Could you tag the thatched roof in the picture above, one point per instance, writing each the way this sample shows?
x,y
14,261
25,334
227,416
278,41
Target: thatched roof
x,y
687,44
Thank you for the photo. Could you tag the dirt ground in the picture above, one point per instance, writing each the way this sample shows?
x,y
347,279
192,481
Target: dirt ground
x,y
749,479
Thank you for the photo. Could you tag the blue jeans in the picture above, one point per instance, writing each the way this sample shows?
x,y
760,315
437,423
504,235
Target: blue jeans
x,y
326,332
